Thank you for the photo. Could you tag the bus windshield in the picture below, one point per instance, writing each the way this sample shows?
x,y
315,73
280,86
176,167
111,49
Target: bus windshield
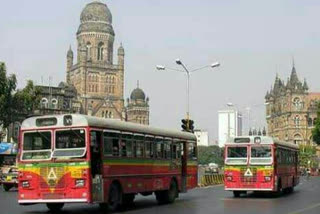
x,y
261,155
36,145
70,143
236,155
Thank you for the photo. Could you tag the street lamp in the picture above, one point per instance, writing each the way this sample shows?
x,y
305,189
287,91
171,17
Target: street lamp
x,y
188,72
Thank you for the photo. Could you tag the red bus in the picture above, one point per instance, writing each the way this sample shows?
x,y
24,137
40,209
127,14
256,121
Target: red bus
x,y
260,163
84,159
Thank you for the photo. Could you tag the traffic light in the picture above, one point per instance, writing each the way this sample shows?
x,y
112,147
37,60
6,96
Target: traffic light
x,y
191,127
184,125
187,125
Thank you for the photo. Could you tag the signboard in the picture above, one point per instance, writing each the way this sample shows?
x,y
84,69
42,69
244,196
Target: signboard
x,y
8,148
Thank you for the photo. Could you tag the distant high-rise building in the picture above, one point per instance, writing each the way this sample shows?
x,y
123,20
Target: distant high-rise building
x,y
230,125
202,137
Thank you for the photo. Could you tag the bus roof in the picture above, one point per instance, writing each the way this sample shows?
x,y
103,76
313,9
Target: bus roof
x,y
79,120
261,140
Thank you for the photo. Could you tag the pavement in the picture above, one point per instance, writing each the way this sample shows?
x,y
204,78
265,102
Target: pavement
x,y
304,200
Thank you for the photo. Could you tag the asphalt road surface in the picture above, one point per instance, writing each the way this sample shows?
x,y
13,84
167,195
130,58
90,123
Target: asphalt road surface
x,y
305,199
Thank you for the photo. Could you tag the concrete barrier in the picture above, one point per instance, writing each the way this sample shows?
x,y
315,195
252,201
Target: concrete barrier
x,y
209,180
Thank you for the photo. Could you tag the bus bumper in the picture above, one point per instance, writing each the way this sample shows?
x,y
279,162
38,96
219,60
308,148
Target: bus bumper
x,y
250,189
39,201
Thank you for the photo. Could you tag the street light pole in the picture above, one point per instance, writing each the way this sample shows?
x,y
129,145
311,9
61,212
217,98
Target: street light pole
x,y
188,72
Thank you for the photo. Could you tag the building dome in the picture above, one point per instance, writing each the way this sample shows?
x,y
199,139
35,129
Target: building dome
x,y
96,17
96,12
137,94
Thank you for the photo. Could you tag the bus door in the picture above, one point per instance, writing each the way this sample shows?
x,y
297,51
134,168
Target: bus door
x,y
96,166
184,174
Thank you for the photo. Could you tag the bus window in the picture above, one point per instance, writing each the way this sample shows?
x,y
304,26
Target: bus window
x,y
149,147
159,148
36,146
126,145
191,151
167,148
139,146
111,144
174,151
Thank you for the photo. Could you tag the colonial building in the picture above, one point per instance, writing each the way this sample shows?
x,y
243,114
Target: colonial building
x,y
291,109
94,83
58,100
98,81
138,107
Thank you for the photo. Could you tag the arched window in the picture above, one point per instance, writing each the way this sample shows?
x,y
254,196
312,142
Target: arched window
x,y
314,121
296,121
89,49
309,121
110,114
297,139
297,103
54,103
100,51
44,103
102,114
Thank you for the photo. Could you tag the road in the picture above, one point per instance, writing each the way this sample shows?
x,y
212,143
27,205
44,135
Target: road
x,y
304,200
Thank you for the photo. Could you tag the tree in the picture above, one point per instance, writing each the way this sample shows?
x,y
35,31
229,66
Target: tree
x,y
210,154
15,105
316,129
307,153
8,85
27,99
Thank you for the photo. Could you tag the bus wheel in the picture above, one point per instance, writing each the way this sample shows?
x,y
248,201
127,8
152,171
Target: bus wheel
x,y
128,199
167,196
279,189
236,194
115,197
7,187
55,207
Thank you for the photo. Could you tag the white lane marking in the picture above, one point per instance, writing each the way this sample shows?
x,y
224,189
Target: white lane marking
x,y
305,209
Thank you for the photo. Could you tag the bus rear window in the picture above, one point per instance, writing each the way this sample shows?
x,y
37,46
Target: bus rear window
x,y
237,152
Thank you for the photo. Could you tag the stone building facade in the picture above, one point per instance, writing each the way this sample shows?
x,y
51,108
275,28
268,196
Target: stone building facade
x,y
99,82
291,109
58,100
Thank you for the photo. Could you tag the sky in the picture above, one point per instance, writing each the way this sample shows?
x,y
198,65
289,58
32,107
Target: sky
x,y
253,40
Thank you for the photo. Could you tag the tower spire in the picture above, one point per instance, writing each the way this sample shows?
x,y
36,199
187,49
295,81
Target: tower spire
x,y
137,83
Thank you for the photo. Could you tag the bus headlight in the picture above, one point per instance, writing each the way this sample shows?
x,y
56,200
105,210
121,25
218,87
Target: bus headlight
x,y
267,178
229,178
79,183
25,184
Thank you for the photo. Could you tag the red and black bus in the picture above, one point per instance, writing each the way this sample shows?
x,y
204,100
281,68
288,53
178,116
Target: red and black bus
x,y
84,159
260,163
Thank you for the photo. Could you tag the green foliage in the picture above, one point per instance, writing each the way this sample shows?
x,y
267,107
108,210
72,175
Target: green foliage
x,y
27,99
15,105
8,85
210,154
307,153
316,129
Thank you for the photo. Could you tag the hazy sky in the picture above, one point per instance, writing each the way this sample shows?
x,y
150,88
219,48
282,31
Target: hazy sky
x,y
252,39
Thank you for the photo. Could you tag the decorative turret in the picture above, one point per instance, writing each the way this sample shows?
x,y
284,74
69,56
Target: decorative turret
x,y
69,63
305,85
121,68
138,106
